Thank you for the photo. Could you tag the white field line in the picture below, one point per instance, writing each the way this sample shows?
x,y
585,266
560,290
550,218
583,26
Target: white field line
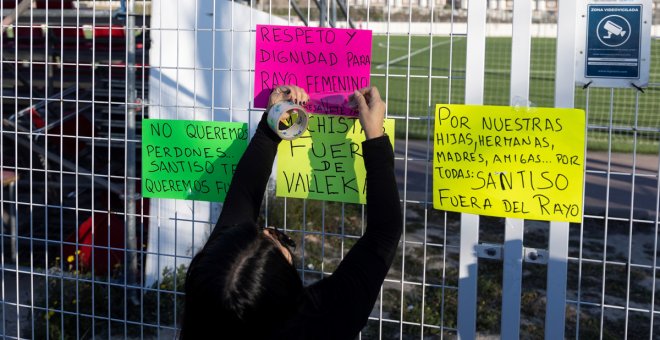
x,y
393,47
396,60
488,70
412,54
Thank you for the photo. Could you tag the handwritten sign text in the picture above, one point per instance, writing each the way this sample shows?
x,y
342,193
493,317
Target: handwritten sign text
x,y
190,160
326,162
509,162
328,63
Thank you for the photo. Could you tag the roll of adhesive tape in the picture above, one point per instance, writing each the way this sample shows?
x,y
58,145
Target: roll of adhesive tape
x,y
297,120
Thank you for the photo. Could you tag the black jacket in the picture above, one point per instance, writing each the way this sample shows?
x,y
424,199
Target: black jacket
x,y
336,307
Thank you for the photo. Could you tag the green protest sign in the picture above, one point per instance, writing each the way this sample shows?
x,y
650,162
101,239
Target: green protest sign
x,y
190,160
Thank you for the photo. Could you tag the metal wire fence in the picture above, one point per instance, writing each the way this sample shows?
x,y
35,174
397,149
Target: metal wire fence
x,y
83,255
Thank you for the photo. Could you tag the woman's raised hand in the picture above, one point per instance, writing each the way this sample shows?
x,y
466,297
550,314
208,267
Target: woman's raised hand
x,y
372,110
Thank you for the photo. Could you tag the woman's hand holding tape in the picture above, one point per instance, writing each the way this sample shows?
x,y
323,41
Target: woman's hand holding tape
x,y
289,93
286,116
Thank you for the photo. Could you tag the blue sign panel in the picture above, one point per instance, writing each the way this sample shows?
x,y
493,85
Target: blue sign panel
x,y
613,41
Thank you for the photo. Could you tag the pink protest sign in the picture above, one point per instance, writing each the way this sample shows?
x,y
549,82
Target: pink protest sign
x,y
329,63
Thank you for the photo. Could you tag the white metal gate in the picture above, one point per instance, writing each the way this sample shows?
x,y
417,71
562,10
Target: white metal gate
x,y
83,255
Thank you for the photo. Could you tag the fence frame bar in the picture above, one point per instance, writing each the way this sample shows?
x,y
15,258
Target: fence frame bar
x,y
555,313
474,94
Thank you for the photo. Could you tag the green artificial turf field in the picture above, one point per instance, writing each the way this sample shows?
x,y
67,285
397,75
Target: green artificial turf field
x,y
414,73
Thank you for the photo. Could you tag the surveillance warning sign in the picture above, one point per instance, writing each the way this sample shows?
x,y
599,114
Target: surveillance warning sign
x,y
616,45
613,41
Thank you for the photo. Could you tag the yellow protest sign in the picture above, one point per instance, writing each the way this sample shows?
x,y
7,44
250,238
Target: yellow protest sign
x,y
326,163
509,162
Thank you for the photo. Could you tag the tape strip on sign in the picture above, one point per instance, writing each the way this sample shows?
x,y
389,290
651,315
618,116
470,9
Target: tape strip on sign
x,y
296,121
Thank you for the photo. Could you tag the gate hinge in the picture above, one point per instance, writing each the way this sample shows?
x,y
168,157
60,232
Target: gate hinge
x,y
533,255
489,251
494,252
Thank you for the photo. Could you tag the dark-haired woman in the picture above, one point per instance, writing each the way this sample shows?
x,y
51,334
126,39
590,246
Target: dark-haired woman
x,y
243,284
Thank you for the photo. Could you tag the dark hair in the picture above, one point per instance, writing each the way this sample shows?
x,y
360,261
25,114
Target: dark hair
x,y
239,286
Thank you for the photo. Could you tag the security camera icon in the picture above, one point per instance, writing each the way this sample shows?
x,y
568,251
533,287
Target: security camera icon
x,y
613,29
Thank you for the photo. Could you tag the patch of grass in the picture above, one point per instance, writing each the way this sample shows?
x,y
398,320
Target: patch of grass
x,y
77,305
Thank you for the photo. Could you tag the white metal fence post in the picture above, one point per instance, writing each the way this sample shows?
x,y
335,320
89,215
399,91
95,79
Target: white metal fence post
x,y
514,228
474,85
555,316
